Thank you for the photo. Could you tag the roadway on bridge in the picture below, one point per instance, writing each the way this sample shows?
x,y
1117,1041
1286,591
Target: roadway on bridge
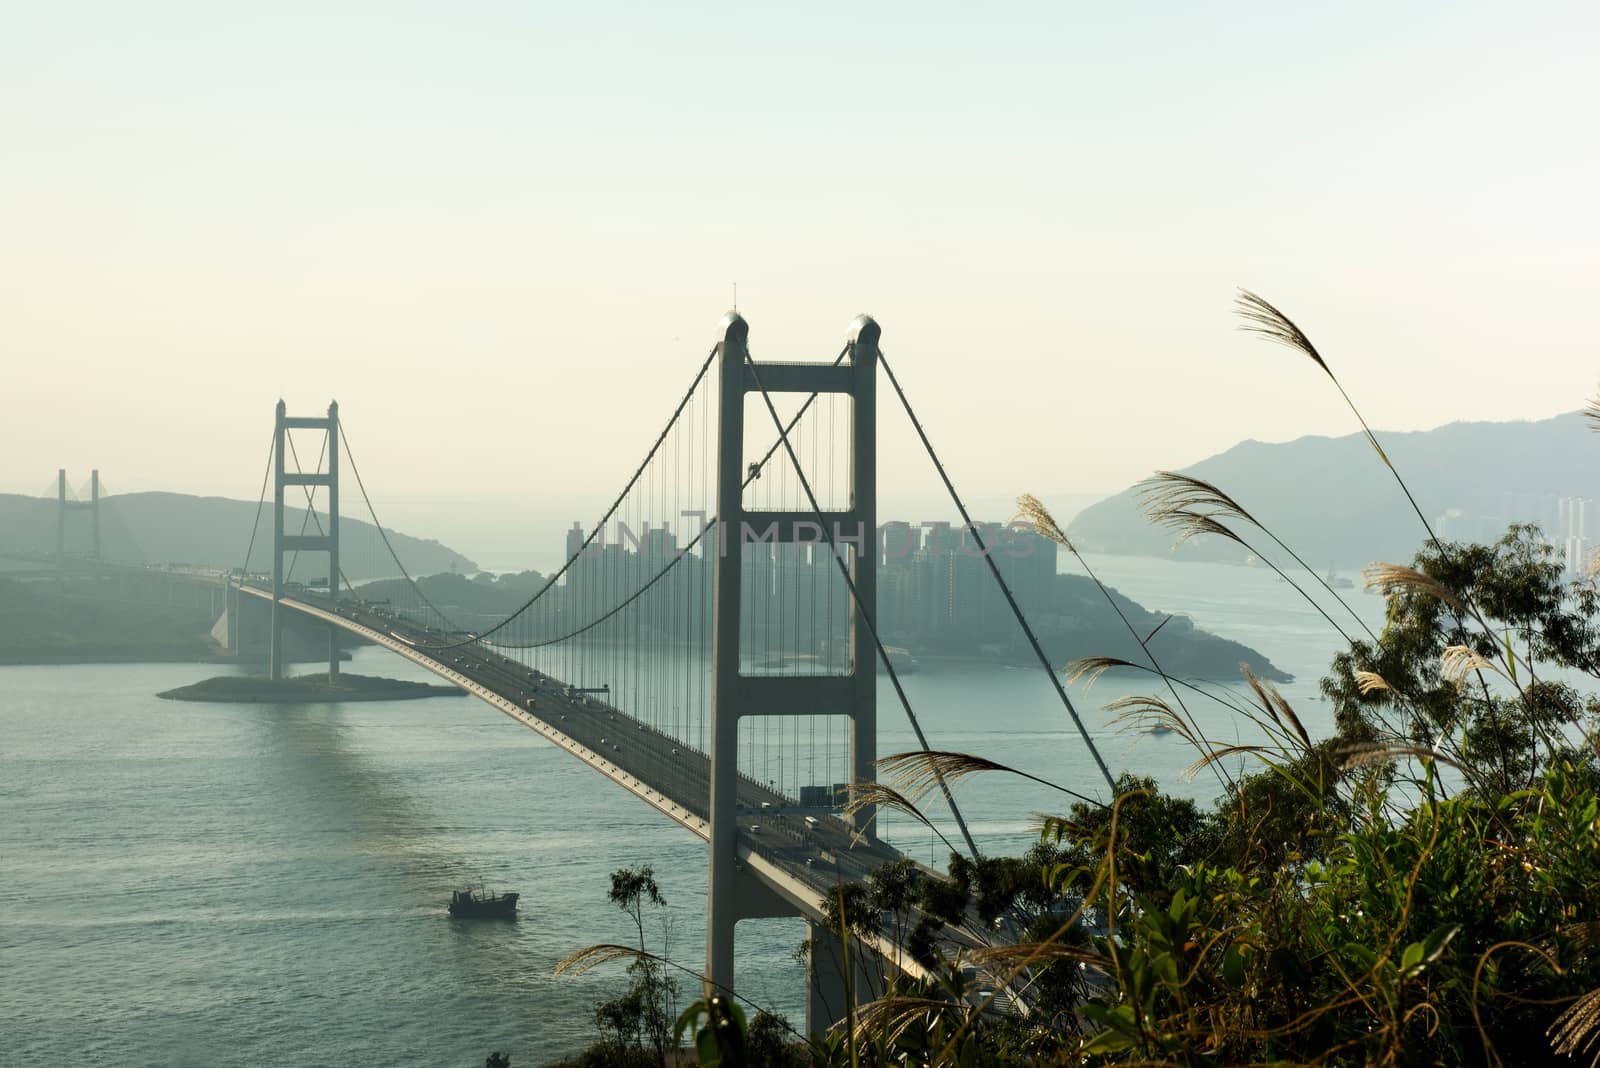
x,y
811,847
817,846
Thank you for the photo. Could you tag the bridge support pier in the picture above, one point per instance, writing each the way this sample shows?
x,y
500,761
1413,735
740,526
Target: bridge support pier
x,y
826,992
275,653
735,694
230,607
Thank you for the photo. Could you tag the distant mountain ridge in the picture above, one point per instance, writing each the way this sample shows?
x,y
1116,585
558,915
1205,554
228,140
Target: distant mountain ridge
x,y
1333,501
208,532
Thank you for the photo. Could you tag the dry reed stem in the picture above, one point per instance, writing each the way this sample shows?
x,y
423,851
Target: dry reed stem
x,y
1276,705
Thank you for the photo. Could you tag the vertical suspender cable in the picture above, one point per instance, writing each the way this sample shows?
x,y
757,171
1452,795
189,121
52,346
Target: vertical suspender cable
x,y
872,629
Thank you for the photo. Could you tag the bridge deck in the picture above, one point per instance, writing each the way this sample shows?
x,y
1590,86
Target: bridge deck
x,y
802,860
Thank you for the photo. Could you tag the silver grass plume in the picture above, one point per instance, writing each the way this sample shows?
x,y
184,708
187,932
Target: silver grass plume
x,y
1370,682
1031,510
590,957
1365,754
1264,320
891,1017
1172,491
1577,1030
1459,661
1143,712
914,774
1220,753
1276,705
1391,579
1171,497
1090,668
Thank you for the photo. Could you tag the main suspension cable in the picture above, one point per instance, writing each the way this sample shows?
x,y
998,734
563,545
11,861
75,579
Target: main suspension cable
x,y
994,569
753,473
261,501
349,454
600,526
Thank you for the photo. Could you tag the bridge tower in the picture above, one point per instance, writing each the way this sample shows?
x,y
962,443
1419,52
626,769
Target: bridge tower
x,y
63,505
731,893
94,510
283,541
61,519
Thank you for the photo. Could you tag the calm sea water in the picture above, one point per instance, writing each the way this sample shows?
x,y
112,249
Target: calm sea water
x,y
186,884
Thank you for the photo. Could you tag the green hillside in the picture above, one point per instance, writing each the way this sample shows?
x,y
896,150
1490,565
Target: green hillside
x,y
205,532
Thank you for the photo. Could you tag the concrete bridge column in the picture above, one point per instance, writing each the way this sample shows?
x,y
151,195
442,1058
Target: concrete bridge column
x,y
733,694
721,896
333,536
826,995
61,520
275,656
864,334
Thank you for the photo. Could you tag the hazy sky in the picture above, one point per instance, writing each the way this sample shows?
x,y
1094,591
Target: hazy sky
x,y
502,234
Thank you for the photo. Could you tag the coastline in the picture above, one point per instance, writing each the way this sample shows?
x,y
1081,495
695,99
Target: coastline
x,y
304,689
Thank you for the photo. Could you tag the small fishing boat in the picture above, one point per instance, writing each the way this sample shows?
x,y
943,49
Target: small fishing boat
x,y
471,903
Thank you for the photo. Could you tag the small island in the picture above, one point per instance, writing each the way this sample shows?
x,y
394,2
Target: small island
x,y
305,689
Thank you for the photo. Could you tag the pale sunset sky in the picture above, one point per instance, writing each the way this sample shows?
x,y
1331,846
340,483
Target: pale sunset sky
x,y
502,234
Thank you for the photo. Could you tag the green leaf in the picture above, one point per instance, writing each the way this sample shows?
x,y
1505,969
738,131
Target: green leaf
x,y
1233,966
687,1019
1362,955
1412,957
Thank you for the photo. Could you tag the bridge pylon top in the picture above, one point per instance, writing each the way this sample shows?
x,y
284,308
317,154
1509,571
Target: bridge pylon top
x,y
864,330
735,331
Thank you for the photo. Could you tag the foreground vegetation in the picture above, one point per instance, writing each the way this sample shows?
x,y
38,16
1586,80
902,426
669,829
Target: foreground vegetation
x,y
1421,888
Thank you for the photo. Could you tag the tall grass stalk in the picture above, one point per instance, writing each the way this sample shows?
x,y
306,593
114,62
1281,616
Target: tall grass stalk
x,y
1171,489
1032,511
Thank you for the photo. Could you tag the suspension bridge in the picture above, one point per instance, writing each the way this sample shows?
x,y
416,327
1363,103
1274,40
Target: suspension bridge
x,y
708,645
